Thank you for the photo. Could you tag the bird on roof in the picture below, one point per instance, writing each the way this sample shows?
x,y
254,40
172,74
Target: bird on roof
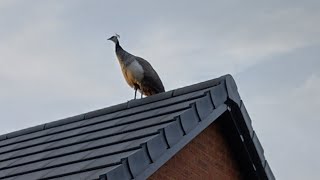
x,y
138,72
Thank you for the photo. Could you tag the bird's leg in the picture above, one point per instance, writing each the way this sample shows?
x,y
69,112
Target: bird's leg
x,y
135,93
136,87
141,95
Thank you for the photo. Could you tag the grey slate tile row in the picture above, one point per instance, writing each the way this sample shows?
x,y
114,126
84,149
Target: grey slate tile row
x,y
93,152
87,143
158,127
74,168
77,157
77,167
77,138
109,122
111,116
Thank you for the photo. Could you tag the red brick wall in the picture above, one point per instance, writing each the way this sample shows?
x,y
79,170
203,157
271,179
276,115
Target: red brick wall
x,y
208,156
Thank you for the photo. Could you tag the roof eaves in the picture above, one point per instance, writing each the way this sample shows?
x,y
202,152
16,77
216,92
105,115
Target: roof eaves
x,y
244,125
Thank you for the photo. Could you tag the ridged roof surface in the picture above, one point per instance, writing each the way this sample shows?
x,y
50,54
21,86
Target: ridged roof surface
x,y
130,140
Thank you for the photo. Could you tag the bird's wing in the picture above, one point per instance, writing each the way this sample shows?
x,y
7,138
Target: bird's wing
x,y
150,75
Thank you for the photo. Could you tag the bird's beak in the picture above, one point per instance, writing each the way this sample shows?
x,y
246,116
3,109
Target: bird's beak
x,y
109,38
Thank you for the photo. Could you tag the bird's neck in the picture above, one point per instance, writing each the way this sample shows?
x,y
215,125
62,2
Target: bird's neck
x,y
118,47
122,54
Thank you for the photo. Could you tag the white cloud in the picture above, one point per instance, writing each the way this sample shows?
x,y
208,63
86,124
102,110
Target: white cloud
x,y
270,33
309,92
37,61
6,3
287,125
204,48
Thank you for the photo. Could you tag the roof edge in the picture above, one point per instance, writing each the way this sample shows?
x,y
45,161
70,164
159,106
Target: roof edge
x,y
232,89
150,157
251,141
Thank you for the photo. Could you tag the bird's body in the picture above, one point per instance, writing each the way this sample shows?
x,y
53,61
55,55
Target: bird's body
x,y
138,72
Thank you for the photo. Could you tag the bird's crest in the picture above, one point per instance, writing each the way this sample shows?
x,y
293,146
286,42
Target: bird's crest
x,y
117,35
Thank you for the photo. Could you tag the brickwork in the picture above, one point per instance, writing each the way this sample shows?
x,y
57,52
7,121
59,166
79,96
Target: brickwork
x,y
208,156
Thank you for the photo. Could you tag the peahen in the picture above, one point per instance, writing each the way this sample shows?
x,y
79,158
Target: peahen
x,y
138,72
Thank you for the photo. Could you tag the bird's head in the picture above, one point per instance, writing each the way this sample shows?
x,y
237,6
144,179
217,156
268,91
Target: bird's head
x,y
114,38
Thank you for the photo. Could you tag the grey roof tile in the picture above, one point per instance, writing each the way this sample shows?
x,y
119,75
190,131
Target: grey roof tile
x,y
189,119
6,141
23,152
102,133
25,137
7,163
196,87
34,175
27,159
3,137
70,168
64,121
85,165
125,141
67,158
107,110
219,94
157,146
44,139
5,172
174,132
157,97
93,174
28,167
8,148
139,161
204,106
6,156
166,109
26,131
67,127
71,136
101,118
122,172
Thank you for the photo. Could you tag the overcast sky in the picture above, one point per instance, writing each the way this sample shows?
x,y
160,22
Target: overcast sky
x,y
55,62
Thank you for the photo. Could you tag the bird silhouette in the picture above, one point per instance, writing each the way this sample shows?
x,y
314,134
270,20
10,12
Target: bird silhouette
x,y
138,72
